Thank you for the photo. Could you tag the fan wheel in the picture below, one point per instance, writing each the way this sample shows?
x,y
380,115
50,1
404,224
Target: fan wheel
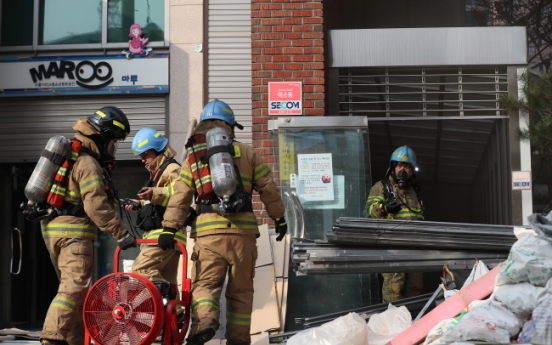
x,y
123,309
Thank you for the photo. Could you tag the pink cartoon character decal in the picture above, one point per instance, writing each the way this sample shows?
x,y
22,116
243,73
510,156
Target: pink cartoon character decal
x,y
137,43
326,178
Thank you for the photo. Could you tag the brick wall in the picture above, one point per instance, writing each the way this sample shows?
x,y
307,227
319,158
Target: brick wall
x,y
287,45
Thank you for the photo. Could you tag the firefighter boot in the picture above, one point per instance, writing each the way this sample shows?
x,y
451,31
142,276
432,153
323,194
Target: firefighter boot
x,y
201,337
52,342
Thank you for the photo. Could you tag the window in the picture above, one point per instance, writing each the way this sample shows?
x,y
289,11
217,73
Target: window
x,y
79,24
17,23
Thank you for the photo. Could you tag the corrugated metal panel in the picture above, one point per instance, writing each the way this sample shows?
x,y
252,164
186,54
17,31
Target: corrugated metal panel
x,y
26,124
229,59
428,47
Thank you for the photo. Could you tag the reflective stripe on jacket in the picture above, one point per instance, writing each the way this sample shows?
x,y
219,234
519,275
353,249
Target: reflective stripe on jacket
x,y
86,184
411,208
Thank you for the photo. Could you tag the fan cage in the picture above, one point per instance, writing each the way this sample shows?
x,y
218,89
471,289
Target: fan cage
x,y
123,308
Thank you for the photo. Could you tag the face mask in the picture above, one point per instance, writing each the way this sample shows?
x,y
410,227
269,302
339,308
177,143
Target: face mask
x,y
403,178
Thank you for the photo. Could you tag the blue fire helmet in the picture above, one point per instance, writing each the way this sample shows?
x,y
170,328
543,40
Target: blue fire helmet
x,y
147,139
218,110
404,154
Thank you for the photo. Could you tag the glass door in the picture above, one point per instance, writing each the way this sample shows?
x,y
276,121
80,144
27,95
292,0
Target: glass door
x,y
324,174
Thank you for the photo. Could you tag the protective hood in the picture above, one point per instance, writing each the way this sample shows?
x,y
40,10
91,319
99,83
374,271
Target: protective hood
x,y
84,127
161,158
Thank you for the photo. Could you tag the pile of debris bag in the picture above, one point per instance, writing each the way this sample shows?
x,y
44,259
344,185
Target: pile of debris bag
x,y
519,310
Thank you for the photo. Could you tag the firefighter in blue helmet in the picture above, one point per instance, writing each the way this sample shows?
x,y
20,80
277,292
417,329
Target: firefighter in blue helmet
x,y
396,197
225,241
158,265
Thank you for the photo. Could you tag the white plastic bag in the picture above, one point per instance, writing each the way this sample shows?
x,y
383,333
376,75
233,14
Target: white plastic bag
x,y
489,321
479,269
386,325
349,329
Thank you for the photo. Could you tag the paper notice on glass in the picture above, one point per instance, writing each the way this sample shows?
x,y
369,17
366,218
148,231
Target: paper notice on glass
x,y
337,204
315,178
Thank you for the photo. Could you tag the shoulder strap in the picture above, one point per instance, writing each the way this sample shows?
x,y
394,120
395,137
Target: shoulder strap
x,y
161,169
387,188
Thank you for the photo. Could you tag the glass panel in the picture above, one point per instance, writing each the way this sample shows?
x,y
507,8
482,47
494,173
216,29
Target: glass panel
x,y
305,157
70,22
17,23
149,14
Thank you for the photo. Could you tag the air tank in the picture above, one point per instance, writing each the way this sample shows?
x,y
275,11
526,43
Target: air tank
x,y
221,164
43,175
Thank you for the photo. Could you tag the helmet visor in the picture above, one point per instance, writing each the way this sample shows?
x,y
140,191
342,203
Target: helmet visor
x,y
112,147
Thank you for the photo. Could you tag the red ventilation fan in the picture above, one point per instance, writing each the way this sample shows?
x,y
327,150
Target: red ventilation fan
x,y
128,309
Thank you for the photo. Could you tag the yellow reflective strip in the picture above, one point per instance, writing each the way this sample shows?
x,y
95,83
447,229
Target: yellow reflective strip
x,y
58,190
64,304
376,198
245,223
74,155
237,152
198,165
90,182
238,319
62,171
154,234
63,229
118,124
261,170
99,112
72,196
196,148
205,301
156,135
143,142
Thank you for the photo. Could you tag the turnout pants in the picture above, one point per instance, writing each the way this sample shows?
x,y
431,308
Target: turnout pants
x,y
214,256
157,264
72,260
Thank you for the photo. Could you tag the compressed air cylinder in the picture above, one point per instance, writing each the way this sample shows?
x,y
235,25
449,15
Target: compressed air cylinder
x,y
39,184
221,164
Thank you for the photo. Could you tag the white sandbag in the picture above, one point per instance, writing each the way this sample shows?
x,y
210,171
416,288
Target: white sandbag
x,y
530,260
383,327
520,298
490,321
436,333
542,318
349,329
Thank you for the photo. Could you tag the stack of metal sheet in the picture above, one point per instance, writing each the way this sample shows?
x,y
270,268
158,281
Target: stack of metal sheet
x,y
421,234
321,257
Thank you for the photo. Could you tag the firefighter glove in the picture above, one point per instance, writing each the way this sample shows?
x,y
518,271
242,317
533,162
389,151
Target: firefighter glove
x,y
192,215
392,207
166,239
127,241
281,228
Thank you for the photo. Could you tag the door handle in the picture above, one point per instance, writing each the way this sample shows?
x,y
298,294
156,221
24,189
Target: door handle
x,y
300,212
20,252
291,203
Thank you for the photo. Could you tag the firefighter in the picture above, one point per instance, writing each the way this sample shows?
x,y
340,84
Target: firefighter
x,y
158,265
224,242
89,200
396,197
